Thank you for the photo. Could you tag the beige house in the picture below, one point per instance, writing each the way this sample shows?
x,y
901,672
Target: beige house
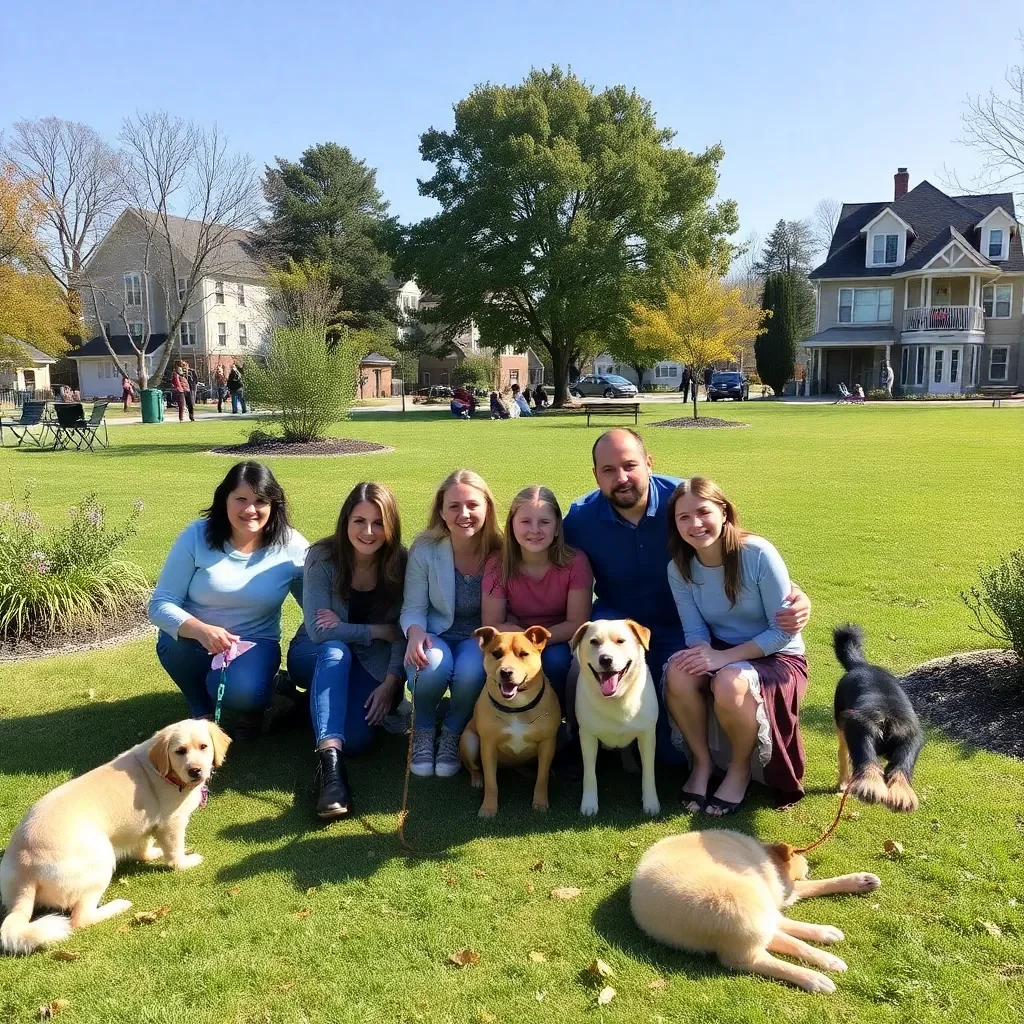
x,y
929,283
23,367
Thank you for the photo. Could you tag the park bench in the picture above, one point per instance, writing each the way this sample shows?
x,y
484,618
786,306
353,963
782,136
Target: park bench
x,y
997,392
611,406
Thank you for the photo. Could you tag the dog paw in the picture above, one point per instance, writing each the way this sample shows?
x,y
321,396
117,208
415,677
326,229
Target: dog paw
x,y
833,963
652,807
487,810
866,882
476,781
117,907
830,934
540,805
190,860
819,983
588,806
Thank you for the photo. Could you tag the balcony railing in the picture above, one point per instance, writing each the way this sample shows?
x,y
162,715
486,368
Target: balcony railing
x,y
944,318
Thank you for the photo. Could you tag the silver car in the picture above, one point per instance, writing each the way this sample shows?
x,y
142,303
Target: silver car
x,y
605,385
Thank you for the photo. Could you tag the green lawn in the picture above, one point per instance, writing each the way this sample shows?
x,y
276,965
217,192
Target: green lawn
x,y
882,514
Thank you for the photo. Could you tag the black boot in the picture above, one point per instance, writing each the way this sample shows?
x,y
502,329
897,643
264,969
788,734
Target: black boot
x,y
333,796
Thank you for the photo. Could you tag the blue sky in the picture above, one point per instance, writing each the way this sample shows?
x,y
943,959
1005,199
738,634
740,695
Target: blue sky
x,y
809,100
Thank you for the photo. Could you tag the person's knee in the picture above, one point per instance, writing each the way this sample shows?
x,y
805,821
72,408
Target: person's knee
x,y
333,652
679,683
729,686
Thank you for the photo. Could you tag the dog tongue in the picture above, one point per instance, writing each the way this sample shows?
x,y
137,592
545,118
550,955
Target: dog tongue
x,y
609,680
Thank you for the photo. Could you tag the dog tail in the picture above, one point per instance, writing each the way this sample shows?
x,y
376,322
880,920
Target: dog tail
x,y
19,934
848,642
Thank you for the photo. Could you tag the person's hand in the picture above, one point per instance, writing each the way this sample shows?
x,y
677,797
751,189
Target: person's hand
x,y
795,617
326,619
378,704
416,650
700,659
216,639
385,631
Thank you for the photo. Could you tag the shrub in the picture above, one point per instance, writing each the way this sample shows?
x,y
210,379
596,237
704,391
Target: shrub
x,y
66,577
309,378
476,372
997,603
879,395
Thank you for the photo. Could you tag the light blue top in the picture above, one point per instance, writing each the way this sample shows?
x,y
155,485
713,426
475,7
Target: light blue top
x,y
705,610
429,600
241,593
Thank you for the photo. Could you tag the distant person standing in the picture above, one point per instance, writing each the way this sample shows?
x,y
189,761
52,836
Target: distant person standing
x,y
708,372
888,377
126,391
236,389
193,385
220,385
686,382
179,388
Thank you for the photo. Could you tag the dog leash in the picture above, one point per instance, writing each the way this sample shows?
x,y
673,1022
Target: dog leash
x,y
831,828
403,813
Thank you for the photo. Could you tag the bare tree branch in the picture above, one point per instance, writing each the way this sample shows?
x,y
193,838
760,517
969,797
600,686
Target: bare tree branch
x,y
826,220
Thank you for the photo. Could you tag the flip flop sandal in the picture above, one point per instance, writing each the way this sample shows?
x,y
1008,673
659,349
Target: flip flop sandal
x,y
725,807
700,799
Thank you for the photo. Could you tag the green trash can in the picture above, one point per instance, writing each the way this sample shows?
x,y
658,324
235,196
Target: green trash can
x,y
152,401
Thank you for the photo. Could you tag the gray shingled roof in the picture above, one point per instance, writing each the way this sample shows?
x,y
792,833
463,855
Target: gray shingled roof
x,y
376,359
932,214
31,354
121,343
235,257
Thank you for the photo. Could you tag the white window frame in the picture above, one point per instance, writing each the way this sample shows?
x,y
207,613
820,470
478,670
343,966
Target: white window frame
x,y
883,262
218,292
222,334
938,365
141,329
904,365
853,303
920,365
241,294
132,290
243,335
998,255
187,334
990,305
1005,349
182,288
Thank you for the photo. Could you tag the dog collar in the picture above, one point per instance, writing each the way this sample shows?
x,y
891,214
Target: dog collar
x,y
526,707
173,779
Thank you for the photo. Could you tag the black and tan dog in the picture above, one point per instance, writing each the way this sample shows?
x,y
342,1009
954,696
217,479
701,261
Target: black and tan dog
x,y
516,717
875,720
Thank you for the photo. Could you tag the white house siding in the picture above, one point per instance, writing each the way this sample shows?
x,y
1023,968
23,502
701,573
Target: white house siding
x,y
254,314
99,377
671,373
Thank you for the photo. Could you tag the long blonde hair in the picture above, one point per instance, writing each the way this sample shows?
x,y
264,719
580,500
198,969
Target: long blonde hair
x,y
732,536
437,528
559,552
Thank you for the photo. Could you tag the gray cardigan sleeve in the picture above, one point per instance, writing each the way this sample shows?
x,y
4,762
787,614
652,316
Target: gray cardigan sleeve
x,y
417,590
318,592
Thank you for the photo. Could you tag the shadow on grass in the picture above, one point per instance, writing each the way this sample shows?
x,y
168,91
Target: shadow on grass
x,y
133,448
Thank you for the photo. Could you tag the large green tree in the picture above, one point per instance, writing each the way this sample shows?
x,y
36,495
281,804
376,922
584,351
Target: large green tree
x,y
775,349
790,250
560,206
326,209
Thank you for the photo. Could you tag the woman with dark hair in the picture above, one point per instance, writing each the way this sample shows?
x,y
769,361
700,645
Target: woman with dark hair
x,y
225,579
350,656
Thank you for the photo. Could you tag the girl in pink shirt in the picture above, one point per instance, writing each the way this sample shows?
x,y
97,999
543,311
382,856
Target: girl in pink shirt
x,y
538,580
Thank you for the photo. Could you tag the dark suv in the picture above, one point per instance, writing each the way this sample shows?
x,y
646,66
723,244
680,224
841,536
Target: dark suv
x,y
729,384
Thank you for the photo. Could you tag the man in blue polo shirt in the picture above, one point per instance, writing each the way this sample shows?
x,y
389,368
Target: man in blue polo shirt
x,y
622,527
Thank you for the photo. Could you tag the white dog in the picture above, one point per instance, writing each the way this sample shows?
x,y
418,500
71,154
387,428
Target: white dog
x,y
615,701
63,854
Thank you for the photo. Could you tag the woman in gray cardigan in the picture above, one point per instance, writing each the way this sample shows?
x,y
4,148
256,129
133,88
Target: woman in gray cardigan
x,y
351,658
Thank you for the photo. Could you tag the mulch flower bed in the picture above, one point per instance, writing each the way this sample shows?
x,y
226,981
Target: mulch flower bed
x,y
293,449
702,422
110,633
976,697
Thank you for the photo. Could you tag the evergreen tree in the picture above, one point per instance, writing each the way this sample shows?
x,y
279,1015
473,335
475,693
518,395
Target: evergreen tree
x,y
775,350
789,249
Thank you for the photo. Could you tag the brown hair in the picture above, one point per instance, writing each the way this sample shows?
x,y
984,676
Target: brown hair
x,y
390,556
512,554
732,536
437,528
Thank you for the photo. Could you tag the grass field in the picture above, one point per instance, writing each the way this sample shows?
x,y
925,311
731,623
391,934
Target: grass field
x,y
883,516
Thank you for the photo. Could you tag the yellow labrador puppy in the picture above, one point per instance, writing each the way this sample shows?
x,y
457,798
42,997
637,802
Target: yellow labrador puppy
x,y
63,854
615,701
724,892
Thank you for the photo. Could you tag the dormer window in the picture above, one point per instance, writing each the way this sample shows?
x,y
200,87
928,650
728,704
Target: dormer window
x,y
885,250
995,244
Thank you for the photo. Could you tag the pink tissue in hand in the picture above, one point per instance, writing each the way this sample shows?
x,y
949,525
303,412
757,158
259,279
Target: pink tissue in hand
x,y
238,648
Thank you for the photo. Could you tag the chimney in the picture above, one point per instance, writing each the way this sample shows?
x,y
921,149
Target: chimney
x,y
902,183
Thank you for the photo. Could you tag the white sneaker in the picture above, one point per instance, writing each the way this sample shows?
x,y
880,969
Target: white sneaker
x,y
448,761
422,753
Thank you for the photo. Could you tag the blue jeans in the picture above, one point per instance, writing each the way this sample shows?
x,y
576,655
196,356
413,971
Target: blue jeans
x,y
236,397
249,682
460,671
338,687
557,660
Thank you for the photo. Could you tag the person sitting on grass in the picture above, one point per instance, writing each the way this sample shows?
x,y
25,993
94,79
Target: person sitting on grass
x,y
538,580
728,587
440,613
225,579
540,398
350,658
524,406
498,410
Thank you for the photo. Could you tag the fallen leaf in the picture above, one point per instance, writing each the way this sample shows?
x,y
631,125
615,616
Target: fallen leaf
x,y
893,848
65,954
540,996
991,927
529,886
149,916
599,970
50,1010
453,882
852,815
464,958
658,984
621,855
235,890
485,1017
301,915
163,934
635,846
1010,970
537,957
123,929
539,866
567,892
479,873
605,996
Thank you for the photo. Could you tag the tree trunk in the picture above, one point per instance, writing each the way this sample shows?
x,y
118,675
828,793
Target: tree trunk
x,y
695,400
140,360
560,365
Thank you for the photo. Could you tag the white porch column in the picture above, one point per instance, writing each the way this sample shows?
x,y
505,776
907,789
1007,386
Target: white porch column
x,y
928,292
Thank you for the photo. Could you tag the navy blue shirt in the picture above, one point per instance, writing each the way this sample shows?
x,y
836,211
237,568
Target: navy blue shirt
x,y
630,562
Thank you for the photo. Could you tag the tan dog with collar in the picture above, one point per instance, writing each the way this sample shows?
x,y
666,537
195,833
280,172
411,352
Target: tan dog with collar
x,y
516,717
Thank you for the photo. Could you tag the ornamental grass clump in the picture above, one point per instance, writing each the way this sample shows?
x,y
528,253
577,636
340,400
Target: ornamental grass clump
x,y
60,578
997,602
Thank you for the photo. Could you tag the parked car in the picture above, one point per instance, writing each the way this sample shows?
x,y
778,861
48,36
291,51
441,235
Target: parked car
x,y
605,385
729,384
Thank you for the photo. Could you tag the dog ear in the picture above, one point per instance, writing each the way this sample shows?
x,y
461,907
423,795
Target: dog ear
x,y
486,635
782,852
642,633
578,635
160,751
538,636
221,741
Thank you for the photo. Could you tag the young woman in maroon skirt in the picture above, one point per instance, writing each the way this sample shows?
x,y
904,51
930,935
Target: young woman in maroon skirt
x,y
734,693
